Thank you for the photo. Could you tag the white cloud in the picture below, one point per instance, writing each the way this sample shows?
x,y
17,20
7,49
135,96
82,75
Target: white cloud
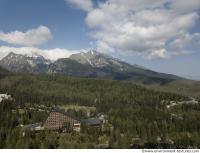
x,y
31,37
95,17
142,26
85,5
186,41
162,53
52,54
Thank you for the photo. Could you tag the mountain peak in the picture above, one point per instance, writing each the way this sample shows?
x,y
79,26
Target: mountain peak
x,y
93,52
32,63
11,53
34,55
92,58
12,56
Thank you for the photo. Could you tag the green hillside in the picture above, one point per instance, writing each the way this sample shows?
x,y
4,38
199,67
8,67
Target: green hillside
x,y
186,87
138,116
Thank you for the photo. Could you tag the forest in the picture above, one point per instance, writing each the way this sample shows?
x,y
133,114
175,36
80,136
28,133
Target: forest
x,y
140,117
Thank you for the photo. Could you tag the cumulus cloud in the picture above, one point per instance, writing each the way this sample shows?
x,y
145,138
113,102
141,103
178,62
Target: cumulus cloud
x,y
52,54
143,26
162,53
85,5
185,41
31,37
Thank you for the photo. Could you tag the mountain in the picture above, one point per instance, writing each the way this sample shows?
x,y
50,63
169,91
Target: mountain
x,y
33,63
96,60
99,60
91,64
120,70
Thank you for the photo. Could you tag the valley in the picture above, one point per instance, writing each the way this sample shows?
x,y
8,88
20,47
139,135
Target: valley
x,y
140,117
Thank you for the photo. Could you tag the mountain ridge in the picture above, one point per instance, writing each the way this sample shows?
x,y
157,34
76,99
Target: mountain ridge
x,y
24,63
90,64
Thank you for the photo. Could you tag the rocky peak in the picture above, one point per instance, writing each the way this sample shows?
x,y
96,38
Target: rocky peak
x,y
24,63
93,52
92,58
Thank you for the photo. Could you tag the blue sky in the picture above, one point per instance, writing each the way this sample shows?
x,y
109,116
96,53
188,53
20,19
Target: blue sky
x,y
161,35
67,25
